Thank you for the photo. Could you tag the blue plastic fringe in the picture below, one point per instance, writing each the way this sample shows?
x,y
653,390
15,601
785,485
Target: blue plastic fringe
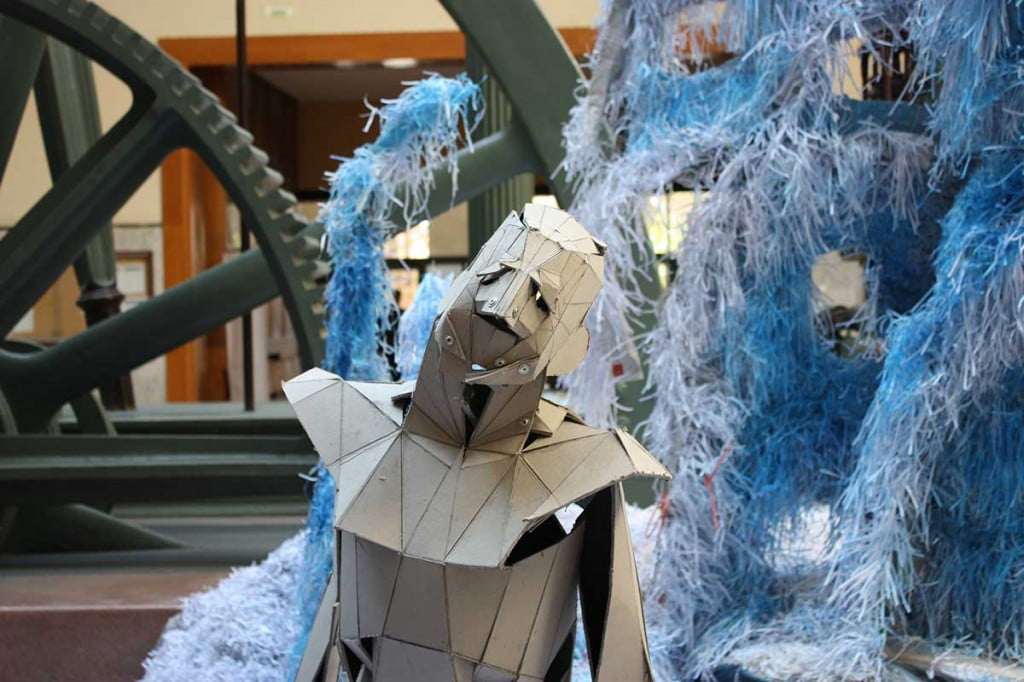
x,y
383,182
417,322
824,498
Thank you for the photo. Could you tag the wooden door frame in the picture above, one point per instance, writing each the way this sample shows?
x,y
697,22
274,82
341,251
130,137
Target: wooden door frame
x,y
185,205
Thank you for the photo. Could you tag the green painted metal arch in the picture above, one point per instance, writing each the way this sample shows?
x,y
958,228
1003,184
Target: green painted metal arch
x,y
539,82
171,104
170,110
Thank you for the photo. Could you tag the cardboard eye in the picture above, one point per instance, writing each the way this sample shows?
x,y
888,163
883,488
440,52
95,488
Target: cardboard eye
x,y
544,292
494,271
539,298
491,273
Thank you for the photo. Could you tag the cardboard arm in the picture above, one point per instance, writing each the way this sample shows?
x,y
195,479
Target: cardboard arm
x,y
613,615
312,667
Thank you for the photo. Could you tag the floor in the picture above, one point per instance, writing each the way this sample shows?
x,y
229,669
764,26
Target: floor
x,y
84,617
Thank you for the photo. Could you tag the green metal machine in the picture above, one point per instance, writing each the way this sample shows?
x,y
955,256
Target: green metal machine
x,y
48,473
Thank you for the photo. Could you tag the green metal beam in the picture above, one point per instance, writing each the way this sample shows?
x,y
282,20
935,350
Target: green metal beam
x,y
69,117
76,527
21,48
55,231
103,469
37,385
488,209
539,80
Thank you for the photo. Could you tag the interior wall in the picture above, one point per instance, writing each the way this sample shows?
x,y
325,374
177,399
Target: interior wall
x,y
326,128
29,178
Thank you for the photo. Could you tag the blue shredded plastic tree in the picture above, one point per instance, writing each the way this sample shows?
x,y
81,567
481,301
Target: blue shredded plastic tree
x,y
417,323
904,456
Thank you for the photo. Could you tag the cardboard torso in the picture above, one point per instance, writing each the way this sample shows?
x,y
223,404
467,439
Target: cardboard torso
x,y
417,619
450,558
439,502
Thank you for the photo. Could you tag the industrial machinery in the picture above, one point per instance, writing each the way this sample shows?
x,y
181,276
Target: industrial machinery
x,y
49,471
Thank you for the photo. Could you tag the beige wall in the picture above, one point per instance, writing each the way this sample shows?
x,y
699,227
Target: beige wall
x,y
177,18
27,177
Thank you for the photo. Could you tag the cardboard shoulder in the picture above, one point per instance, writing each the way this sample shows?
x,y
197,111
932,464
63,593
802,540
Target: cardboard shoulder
x,y
578,460
342,417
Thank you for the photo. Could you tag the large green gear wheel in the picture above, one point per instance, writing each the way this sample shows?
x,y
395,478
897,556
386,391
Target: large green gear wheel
x,y
170,110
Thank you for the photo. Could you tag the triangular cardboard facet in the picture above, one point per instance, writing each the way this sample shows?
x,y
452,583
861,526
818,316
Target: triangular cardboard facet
x,y
476,485
422,474
418,610
352,474
376,513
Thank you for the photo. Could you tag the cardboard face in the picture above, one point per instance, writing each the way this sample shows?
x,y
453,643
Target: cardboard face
x,y
518,310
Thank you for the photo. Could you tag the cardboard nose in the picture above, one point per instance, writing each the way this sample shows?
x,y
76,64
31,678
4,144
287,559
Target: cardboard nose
x,y
521,316
503,300
502,319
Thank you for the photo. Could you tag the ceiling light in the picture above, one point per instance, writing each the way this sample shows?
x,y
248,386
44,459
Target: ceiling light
x,y
400,63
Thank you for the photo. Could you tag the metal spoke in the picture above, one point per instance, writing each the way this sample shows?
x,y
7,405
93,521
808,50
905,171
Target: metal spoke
x,y
40,383
21,48
69,117
56,230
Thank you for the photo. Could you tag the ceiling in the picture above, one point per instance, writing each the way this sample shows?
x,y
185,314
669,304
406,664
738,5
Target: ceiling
x,y
348,82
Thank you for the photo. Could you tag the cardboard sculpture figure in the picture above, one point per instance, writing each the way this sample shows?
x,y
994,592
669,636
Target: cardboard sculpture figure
x,y
451,563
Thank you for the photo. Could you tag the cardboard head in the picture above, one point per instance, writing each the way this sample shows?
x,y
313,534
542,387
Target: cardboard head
x,y
518,310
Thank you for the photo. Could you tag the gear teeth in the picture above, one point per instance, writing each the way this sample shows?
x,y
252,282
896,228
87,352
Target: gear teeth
x,y
181,83
228,115
291,224
215,120
198,100
291,243
267,181
255,161
144,51
306,247
281,203
314,228
235,139
121,34
98,19
321,271
162,68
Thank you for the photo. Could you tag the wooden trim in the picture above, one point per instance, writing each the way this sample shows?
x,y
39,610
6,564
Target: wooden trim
x,y
183,186
178,192
580,41
317,49
324,49
213,371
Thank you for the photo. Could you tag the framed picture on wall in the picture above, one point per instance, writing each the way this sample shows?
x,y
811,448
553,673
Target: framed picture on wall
x,y
135,276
